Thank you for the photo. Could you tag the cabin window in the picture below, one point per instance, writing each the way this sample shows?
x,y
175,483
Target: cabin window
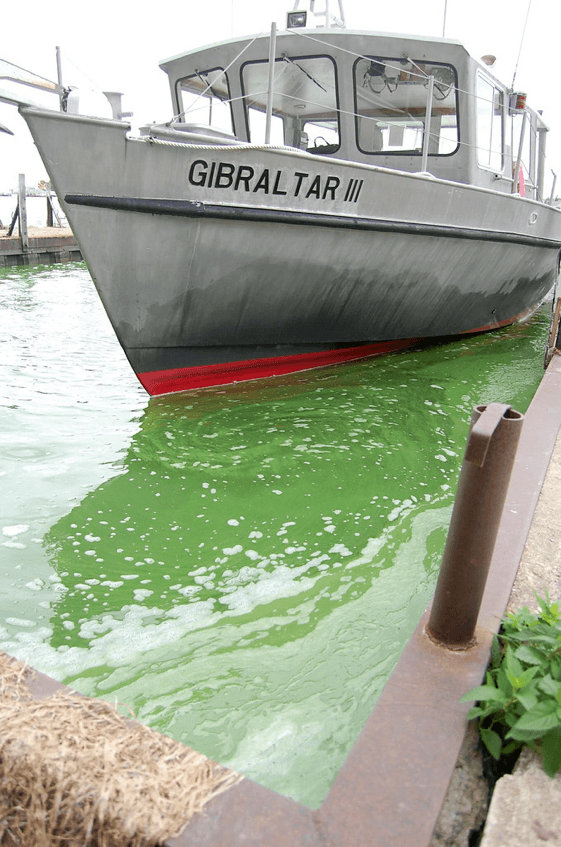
x,y
305,106
257,124
490,124
391,106
204,98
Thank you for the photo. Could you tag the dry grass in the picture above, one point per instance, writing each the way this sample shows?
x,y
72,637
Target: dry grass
x,y
75,773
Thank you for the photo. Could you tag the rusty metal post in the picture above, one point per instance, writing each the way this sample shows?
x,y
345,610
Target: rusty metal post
x,y
488,460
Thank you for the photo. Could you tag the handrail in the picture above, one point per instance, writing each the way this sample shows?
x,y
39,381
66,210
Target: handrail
x,y
516,171
427,133
271,82
13,73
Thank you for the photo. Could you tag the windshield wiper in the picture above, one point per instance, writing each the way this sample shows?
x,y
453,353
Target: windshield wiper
x,y
300,68
204,79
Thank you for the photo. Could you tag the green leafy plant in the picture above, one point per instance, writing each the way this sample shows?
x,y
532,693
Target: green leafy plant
x,y
520,702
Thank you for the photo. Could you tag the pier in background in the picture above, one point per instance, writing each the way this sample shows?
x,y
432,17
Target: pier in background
x,y
24,245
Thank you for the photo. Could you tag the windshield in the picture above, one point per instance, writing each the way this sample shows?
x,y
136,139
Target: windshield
x,y
305,111
391,106
204,98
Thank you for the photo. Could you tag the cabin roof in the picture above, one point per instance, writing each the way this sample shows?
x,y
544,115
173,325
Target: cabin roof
x,y
340,38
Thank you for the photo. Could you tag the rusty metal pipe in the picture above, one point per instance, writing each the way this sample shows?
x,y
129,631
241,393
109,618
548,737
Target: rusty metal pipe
x,y
488,460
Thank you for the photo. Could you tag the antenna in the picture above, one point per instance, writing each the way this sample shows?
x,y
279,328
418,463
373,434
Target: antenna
x,y
521,43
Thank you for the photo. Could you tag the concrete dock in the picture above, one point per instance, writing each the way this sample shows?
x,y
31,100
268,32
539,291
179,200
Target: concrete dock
x,y
45,246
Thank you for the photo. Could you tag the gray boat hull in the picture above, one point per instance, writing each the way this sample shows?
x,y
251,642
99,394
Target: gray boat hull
x,y
209,260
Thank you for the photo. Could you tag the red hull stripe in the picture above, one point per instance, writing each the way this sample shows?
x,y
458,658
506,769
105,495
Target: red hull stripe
x,y
183,379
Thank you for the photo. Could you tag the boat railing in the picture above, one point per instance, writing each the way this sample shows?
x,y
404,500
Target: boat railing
x,y
14,74
68,96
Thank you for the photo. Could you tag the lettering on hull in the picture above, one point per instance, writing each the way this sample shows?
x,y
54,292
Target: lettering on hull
x,y
280,182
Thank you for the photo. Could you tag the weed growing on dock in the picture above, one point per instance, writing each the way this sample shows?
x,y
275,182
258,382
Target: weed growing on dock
x,y
520,702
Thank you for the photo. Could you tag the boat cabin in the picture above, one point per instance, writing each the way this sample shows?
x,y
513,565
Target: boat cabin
x,y
405,103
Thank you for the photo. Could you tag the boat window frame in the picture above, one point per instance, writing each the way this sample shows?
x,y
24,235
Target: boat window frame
x,y
496,86
180,103
530,149
332,148
396,61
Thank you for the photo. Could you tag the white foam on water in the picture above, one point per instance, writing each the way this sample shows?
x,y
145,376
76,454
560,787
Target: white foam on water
x,y
12,531
341,550
141,594
267,586
36,584
231,551
277,747
113,642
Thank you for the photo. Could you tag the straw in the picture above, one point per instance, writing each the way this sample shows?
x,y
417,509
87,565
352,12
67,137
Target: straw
x,y
74,772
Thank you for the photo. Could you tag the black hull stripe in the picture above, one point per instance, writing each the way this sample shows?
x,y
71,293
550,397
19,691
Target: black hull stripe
x,y
189,209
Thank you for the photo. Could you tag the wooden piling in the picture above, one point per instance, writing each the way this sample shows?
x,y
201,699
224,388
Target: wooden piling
x,y
22,215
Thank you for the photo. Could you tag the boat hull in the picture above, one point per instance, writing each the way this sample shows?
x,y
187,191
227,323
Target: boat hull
x,y
216,264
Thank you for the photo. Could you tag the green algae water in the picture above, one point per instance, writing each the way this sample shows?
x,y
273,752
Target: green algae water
x,y
240,566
